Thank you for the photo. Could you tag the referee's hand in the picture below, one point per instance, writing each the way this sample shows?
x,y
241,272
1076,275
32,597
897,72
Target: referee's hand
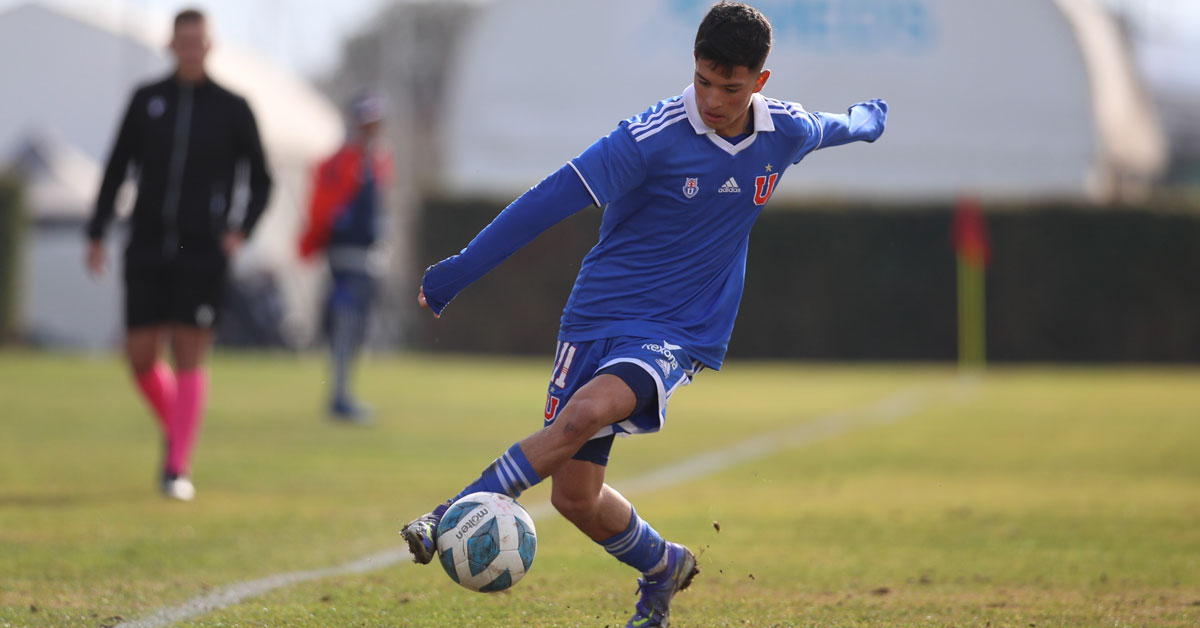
x,y
97,259
232,242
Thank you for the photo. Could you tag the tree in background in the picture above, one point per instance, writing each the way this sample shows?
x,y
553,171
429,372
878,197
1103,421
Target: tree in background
x,y
12,233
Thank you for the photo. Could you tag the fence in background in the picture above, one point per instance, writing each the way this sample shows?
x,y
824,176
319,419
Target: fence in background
x,y
853,283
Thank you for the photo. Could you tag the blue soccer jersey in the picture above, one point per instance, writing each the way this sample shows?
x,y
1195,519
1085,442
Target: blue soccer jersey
x,y
679,202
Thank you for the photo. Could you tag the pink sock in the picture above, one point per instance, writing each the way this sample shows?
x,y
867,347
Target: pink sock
x,y
185,426
158,387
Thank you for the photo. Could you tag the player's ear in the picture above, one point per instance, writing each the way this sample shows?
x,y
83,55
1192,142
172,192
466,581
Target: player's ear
x,y
762,80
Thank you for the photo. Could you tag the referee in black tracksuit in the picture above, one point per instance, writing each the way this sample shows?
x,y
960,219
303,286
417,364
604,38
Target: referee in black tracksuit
x,y
188,139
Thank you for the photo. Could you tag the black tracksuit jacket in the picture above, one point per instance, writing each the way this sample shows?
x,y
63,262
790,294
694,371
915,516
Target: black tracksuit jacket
x,y
186,143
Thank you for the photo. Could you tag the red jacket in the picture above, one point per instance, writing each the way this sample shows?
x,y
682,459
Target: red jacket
x,y
335,184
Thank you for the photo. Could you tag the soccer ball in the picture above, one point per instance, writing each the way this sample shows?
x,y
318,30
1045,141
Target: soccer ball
x,y
486,542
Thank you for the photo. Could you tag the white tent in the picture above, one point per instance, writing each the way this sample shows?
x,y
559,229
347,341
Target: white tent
x,y
59,180
68,75
1017,99
1175,72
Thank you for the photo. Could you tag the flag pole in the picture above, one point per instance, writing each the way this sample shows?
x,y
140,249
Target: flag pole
x,y
972,316
973,253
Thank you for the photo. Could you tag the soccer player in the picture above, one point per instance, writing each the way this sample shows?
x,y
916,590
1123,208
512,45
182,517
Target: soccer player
x,y
343,222
186,136
655,300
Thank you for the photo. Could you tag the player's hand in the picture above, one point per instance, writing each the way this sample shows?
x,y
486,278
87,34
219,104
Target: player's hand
x,y
97,258
423,303
232,242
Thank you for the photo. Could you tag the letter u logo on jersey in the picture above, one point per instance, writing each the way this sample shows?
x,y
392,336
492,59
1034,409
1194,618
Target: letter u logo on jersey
x,y
764,186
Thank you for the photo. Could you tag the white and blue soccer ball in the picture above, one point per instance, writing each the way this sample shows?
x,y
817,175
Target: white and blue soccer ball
x,y
486,542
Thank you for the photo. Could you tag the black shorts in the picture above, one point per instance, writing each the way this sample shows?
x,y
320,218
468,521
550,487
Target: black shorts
x,y
182,291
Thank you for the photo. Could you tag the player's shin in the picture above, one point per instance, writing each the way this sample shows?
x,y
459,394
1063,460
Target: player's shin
x,y
192,396
510,474
158,387
639,546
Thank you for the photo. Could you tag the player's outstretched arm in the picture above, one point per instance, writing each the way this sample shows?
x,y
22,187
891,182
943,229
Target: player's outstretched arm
x,y
541,207
863,122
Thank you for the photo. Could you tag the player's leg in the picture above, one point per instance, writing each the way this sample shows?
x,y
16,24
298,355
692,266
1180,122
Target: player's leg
x,y
146,316
154,377
147,307
580,495
349,302
603,514
604,400
197,291
189,347
601,402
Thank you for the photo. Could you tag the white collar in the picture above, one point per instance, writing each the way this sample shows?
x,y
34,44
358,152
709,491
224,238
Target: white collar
x,y
762,121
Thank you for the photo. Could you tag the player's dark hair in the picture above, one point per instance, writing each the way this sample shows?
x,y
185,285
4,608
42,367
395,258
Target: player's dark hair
x,y
733,34
188,16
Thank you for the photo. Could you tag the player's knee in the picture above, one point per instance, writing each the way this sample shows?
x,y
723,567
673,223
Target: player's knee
x,y
583,417
574,505
140,361
141,364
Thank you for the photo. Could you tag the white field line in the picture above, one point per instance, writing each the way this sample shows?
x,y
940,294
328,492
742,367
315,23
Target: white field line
x,y
890,409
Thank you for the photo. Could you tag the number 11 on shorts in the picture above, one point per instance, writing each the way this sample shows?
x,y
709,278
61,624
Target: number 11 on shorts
x,y
562,366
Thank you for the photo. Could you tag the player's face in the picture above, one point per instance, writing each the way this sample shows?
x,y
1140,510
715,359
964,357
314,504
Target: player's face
x,y
723,95
190,46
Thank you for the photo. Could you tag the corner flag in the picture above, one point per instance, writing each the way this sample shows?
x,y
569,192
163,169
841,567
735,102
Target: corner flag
x,y
970,237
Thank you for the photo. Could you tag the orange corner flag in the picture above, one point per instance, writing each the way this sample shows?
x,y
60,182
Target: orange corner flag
x,y
969,234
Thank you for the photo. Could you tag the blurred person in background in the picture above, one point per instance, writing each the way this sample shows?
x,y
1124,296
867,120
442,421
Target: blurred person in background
x,y
343,222
185,137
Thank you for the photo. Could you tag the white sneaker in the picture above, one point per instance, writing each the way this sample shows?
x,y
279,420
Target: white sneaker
x,y
179,488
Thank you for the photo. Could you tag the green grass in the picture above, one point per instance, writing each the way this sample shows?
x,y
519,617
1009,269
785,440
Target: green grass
x,y
1030,497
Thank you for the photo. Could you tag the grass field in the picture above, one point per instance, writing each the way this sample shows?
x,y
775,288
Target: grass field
x,y
1028,497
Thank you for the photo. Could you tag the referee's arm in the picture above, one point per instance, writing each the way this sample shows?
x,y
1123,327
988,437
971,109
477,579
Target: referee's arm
x,y
250,149
114,175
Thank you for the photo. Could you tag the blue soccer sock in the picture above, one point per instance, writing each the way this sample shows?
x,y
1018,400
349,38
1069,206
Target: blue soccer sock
x,y
509,474
639,546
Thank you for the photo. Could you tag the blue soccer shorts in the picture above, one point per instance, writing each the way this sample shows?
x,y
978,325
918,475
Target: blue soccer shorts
x,y
653,369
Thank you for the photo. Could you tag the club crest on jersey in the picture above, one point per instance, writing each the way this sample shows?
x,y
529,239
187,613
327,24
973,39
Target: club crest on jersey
x,y
691,186
764,186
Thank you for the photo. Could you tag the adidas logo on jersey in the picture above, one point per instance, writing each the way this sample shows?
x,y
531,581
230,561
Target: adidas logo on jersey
x,y
730,187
